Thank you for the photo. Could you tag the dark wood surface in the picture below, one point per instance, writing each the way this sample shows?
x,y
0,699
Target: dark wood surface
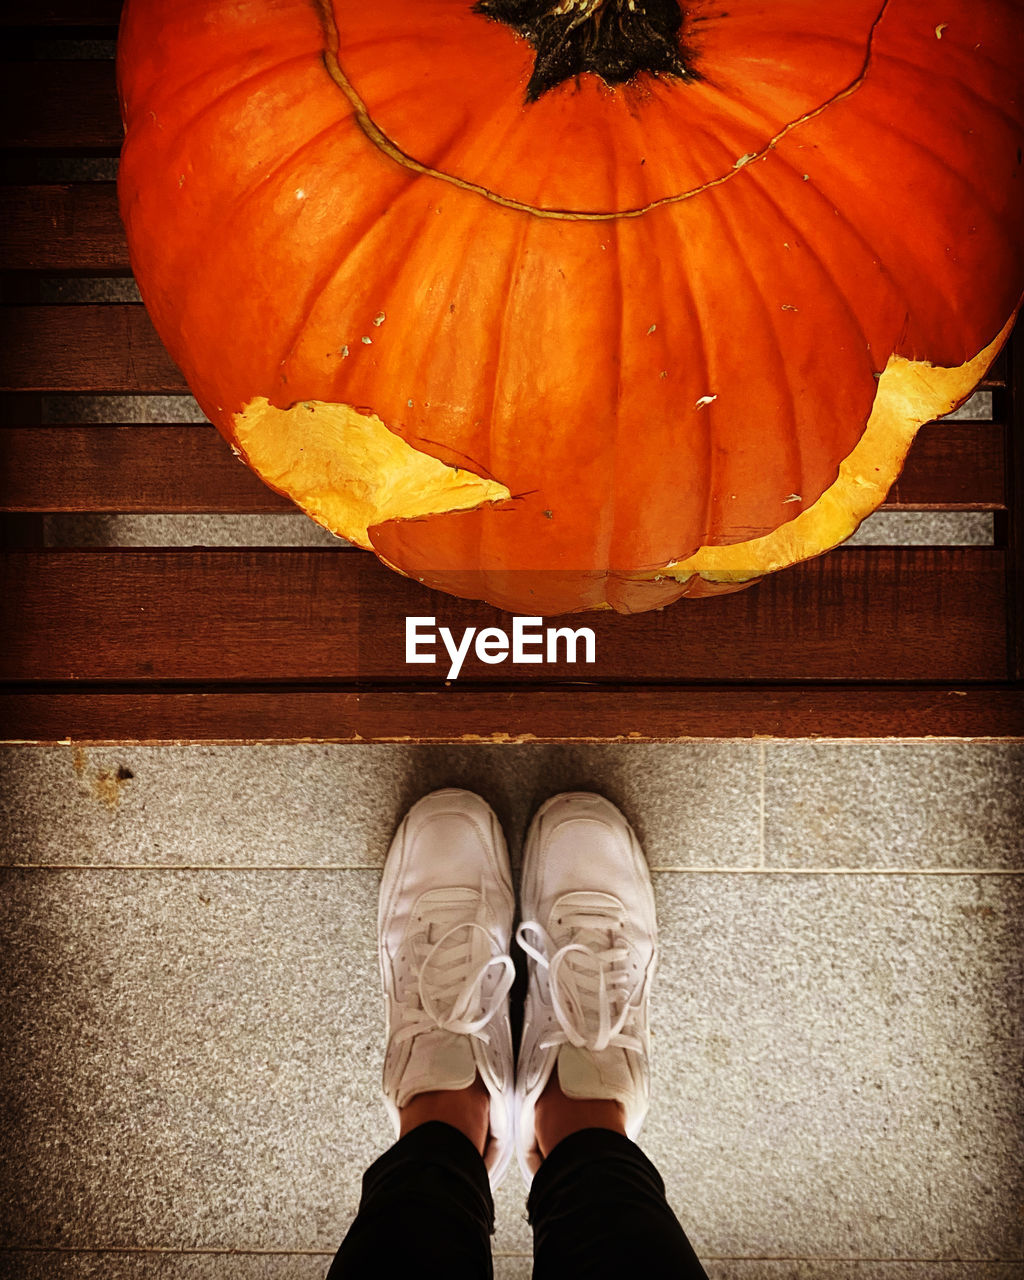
x,y
135,468
60,106
317,615
61,13
953,466
286,645
70,228
187,468
638,714
108,347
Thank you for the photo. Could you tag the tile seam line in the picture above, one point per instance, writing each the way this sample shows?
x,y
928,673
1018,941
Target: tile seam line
x,y
377,867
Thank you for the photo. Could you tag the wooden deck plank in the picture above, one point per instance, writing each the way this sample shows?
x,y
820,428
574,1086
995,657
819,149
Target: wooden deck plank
x,y
63,106
953,466
641,714
62,13
137,468
189,468
105,348
71,228
314,615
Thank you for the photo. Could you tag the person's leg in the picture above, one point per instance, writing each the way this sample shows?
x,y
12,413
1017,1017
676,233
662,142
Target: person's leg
x,y
445,920
426,1210
597,1204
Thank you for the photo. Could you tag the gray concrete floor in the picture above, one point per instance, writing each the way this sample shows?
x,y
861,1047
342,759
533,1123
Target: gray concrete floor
x,y
193,1029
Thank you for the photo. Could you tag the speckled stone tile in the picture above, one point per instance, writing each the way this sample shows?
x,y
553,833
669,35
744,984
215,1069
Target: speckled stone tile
x,y
925,529
87,289
839,1269
158,409
107,1266
513,1268
690,803
71,1265
304,805
284,530
198,805
192,1059
837,1065
910,804
512,1232
976,408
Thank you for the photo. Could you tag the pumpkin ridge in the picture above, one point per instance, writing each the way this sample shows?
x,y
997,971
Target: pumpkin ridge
x,y
378,138
962,87
501,344
807,246
336,265
269,72
847,222
785,438
618,514
908,396
881,262
791,438
709,484
914,249
983,195
273,174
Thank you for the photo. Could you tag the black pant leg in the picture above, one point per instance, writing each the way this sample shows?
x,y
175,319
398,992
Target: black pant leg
x,y
426,1211
598,1210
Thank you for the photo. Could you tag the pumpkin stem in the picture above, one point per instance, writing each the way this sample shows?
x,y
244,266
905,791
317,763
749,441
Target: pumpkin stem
x,y
614,39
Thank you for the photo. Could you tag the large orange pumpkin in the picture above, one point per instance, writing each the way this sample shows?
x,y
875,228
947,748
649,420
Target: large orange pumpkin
x,y
573,303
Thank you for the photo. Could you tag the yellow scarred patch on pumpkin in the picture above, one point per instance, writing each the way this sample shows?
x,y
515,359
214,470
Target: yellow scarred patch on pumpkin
x,y
910,393
348,471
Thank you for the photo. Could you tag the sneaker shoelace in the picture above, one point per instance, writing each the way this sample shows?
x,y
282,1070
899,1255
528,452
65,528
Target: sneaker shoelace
x,y
588,978
450,979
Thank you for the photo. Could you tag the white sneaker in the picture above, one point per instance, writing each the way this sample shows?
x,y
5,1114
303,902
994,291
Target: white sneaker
x,y
444,927
590,934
